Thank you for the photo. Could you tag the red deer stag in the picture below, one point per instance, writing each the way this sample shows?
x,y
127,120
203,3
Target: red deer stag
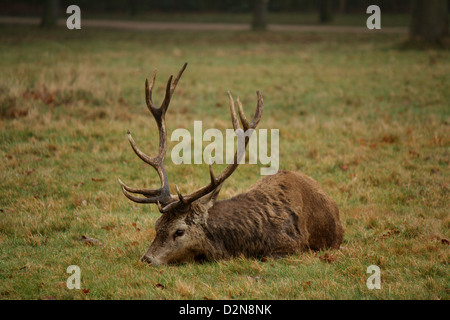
x,y
281,214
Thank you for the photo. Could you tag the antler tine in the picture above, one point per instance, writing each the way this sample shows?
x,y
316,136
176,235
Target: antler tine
x,y
211,175
234,119
145,192
216,181
167,97
170,88
177,78
259,110
244,120
256,117
136,199
180,196
160,208
138,152
149,90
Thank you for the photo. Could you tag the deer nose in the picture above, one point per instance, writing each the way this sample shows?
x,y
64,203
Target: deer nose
x,y
146,259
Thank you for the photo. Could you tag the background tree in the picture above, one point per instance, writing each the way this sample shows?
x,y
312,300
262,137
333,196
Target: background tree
x,y
134,7
325,10
429,20
50,13
260,14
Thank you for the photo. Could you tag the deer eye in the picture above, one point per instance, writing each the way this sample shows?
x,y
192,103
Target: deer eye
x,y
179,233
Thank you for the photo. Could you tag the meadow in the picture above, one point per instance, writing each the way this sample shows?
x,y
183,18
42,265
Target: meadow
x,y
368,120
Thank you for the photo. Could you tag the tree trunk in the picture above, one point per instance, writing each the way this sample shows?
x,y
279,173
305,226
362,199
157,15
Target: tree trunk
x,y
260,14
429,20
342,6
50,13
134,6
324,11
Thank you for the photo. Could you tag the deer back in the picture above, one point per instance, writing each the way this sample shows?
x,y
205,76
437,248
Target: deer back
x,y
280,214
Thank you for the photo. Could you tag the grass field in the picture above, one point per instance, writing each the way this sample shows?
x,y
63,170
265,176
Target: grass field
x,y
367,120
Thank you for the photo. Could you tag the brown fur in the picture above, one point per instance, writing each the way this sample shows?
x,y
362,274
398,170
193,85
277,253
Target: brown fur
x,y
280,214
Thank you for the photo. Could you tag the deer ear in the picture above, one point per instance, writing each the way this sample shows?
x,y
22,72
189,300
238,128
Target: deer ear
x,y
199,215
207,201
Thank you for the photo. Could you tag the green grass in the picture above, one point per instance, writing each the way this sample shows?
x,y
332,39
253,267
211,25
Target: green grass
x,y
368,121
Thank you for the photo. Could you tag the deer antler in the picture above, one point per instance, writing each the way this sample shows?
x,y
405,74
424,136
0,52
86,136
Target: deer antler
x,y
216,181
161,195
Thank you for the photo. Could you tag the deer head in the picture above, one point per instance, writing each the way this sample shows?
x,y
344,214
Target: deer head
x,y
181,231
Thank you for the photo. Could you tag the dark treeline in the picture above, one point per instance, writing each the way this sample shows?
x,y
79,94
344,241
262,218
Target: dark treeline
x,y
17,7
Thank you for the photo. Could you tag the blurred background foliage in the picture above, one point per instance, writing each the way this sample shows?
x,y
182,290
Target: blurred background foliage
x,y
427,19
32,7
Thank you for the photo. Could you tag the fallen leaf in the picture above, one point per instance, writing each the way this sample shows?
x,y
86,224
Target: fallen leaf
x,y
306,285
160,286
390,232
60,284
49,298
389,138
90,241
445,241
85,291
329,258
343,167
97,179
206,298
